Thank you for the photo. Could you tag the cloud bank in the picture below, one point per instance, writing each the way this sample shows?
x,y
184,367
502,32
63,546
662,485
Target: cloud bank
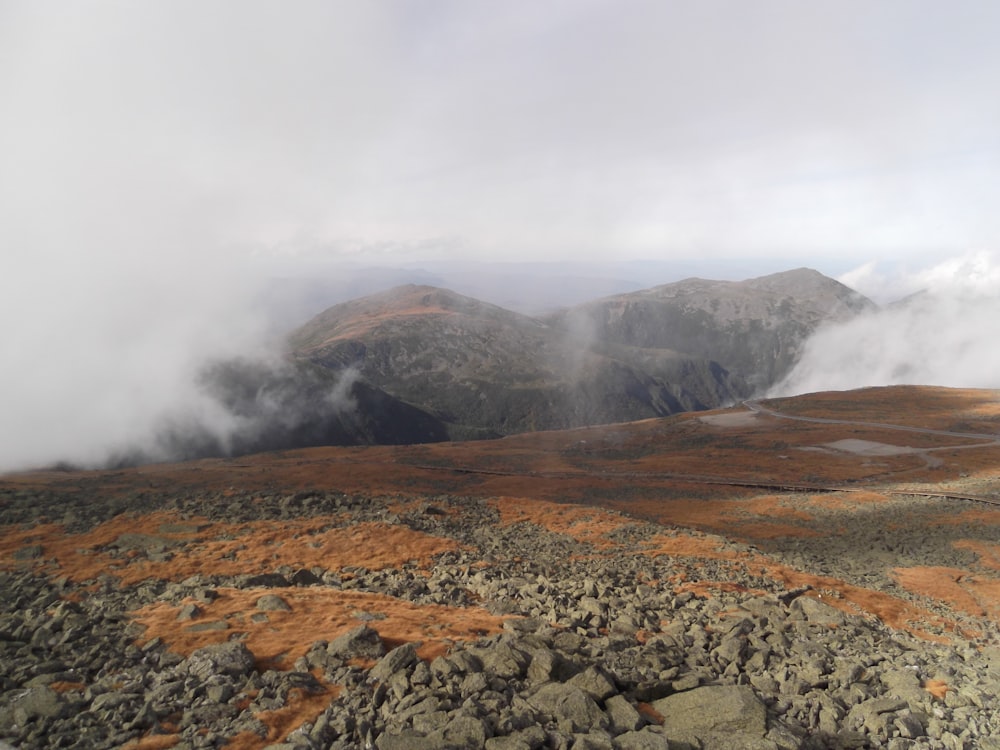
x,y
942,333
159,160
569,129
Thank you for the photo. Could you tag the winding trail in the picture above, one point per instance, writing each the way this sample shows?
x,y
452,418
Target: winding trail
x,y
757,408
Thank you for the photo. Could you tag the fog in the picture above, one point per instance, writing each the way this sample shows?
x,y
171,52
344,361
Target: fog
x,y
941,332
164,165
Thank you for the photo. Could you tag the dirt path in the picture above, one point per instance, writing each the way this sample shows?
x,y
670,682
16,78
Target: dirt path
x,y
756,407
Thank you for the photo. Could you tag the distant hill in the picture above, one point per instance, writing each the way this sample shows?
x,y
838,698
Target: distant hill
x,y
753,328
485,371
267,406
419,364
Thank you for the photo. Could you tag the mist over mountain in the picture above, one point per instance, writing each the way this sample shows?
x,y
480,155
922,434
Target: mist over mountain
x,y
926,339
754,328
276,404
488,371
938,327
420,363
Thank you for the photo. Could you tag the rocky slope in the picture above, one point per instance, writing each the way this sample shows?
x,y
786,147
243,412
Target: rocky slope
x,y
606,642
487,371
431,596
754,328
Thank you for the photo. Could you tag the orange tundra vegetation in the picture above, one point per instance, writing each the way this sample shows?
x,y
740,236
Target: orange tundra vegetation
x,y
278,638
968,593
197,545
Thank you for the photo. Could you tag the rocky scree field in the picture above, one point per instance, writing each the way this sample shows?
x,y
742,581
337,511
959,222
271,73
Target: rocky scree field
x,y
732,579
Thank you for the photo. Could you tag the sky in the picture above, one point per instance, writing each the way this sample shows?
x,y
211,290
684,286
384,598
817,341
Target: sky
x,y
159,160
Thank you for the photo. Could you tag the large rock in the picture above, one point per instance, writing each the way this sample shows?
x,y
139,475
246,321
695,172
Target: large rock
x,y
566,703
643,740
361,642
397,660
595,682
231,659
733,709
37,702
623,715
503,661
816,612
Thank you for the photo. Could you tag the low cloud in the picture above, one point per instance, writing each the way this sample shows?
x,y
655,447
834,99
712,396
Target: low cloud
x,y
119,361
251,405
941,333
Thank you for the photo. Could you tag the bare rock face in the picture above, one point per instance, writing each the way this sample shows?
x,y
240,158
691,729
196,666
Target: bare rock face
x,y
753,328
230,659
486,371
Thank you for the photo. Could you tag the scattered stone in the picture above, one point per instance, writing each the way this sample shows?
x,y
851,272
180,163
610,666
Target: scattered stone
x,y
231,659
28,552
361,642
266,581
570,706
207,626
303,577
273,603
816,611
188,612
570,670
397,660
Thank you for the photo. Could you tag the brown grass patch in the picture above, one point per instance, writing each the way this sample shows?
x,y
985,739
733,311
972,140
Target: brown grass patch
x,y
299,708
62,686
226,549
974,595
686,545
925,406
745,518
989,552
588,525
847,500
316,614
765,530
153,742
894,612
650,713
705,589
975,516
937,688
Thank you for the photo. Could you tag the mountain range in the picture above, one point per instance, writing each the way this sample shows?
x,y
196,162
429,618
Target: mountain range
x,y
469,369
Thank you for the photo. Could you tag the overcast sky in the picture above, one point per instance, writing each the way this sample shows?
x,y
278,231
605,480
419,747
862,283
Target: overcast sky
x,y
839,131
157,158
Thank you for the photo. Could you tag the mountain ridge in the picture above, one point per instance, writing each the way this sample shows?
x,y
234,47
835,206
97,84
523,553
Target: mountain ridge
x,y
489,371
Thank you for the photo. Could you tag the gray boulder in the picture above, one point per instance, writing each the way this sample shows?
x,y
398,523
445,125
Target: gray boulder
x,y
397,660
230,659
722,709
569,704
361,642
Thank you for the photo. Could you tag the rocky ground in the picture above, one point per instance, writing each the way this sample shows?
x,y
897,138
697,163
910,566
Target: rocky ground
x,y
537,626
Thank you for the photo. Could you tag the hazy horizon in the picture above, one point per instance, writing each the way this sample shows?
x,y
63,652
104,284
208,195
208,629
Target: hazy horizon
x,y
161,164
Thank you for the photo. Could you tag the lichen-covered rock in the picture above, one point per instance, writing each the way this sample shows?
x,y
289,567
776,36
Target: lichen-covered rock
x,y
230,659
713,709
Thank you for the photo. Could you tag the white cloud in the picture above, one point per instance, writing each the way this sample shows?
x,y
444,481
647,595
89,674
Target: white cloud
x,y
156,157
945,335
575,128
